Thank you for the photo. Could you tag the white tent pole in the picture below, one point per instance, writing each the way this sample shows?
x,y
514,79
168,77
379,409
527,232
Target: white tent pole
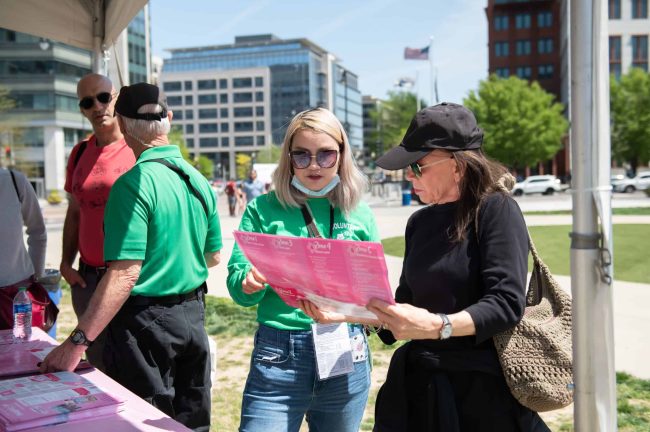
x,y
593,340
99,30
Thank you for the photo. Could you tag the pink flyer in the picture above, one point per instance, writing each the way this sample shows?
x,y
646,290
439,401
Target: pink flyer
x,y
336,275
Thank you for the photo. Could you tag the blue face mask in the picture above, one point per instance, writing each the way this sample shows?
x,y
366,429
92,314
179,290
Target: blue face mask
x,y
319,193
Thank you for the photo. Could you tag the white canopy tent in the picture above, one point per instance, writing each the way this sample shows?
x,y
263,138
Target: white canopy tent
x,y
87,24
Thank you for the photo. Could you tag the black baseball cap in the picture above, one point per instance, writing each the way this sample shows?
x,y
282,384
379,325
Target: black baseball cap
x,y
132,97
445,126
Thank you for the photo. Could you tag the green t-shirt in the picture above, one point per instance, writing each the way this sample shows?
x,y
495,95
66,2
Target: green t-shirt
x,y
152,216
266,215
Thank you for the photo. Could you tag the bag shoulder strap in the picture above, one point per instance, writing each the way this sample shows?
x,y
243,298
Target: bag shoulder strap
x,y
82,149
186,178
13,180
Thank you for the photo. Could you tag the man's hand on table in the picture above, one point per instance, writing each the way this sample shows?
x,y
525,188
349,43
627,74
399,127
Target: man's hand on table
x,y
65,357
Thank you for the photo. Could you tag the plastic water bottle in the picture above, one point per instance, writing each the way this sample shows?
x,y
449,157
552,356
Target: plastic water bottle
x,y
22,316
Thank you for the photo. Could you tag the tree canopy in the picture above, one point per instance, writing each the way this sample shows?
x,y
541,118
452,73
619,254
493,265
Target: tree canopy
x,y
630,117
202,163
392,118
522,123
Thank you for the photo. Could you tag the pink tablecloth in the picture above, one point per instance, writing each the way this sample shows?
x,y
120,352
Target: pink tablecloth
x,y
137,415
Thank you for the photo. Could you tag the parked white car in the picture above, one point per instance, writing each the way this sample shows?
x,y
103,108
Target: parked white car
x,y
640,182
544,184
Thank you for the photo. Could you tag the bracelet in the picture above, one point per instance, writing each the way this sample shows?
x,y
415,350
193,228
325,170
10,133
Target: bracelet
x,y
372,329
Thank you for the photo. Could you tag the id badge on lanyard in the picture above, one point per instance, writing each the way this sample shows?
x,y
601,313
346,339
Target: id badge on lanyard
x,y
333,350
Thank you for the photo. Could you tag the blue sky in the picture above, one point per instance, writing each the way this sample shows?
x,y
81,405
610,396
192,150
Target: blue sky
x,y
369,36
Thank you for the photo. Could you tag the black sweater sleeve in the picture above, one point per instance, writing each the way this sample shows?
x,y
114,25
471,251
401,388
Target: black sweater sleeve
x,y
503,248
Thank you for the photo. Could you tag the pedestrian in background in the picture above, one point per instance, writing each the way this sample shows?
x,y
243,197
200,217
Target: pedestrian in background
x,y
20,266
317,175
463,281
231,193
252,186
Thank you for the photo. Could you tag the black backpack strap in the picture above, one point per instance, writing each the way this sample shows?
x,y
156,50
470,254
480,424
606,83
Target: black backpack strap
x,y
82,148
13,179
186,178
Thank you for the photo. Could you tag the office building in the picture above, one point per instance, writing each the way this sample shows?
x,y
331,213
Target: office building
x,y
524,39
629,28
295,75
41,76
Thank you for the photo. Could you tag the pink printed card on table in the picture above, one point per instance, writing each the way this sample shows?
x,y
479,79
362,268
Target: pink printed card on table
x,y
336,275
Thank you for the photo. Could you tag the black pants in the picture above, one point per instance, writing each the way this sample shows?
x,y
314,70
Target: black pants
x,y
80,299
161,353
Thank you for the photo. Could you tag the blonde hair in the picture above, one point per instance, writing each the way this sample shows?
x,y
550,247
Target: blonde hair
x,y
348,193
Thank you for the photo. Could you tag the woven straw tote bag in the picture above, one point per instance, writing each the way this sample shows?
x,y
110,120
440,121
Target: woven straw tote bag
x,y
536,355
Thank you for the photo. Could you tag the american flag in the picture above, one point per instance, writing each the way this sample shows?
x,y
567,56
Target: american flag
x,y
416,53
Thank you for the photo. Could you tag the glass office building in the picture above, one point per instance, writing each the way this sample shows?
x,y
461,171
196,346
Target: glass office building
x,y
302,75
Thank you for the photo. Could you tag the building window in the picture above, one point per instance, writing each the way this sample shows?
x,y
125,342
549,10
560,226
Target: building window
x,y
259,126
178,115
207,99
174,100
189,128
188,85
189,100
259,111
208,127
189,142
189,114
260,140
500,22
223,113
225,142
502,49
524,72
545,71
243,97
209,142
172,86
243,141
502,72
208,113
207,84
615,56
223,83
223,98
242,82
259,96
544,19
243,112
225,127
640,52
243,126
522,47
614,9
639,9
259,81
545,46
522,21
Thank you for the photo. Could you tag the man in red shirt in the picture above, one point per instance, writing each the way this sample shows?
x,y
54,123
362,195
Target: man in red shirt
x,y
93,166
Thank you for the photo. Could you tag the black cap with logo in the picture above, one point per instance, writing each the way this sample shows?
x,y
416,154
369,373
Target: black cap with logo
x,y
132,97
445,126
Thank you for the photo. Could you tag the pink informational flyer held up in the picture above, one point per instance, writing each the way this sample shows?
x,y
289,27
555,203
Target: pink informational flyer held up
x,y
336,275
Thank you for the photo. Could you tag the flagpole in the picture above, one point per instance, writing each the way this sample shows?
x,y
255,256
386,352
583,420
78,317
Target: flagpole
x,y
431,70
417,90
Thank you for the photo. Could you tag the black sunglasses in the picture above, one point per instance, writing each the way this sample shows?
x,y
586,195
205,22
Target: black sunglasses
x,y
301,159
417,168
89,101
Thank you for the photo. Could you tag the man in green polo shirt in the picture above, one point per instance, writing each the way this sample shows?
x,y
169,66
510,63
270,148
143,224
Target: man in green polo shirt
x,y
162,233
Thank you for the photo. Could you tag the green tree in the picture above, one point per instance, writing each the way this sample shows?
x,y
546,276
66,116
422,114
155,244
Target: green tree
x,y
630,116
7,129
202,163
521,122
270,154
392,118
243,162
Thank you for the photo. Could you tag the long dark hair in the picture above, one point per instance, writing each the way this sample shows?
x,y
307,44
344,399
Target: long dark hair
x,y
481,177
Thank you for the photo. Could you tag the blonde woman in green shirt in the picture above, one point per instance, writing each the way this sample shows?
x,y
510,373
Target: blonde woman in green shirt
x,y
317,171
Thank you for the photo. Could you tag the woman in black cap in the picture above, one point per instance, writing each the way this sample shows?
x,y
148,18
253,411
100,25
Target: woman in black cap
x,y
463,280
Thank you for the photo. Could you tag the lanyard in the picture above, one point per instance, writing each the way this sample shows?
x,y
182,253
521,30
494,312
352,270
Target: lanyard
x,y
309,221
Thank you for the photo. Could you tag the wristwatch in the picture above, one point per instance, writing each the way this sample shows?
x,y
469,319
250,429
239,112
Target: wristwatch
x,y
78,337
445,330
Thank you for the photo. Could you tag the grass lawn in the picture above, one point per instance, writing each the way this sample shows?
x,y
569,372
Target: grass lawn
x,y
553,243
232,327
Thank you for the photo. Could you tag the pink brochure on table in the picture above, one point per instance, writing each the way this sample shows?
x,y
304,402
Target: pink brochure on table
x,y
52,398
336,275
23,358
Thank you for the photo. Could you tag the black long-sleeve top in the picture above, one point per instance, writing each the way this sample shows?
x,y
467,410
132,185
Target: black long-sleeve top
x,y
484,275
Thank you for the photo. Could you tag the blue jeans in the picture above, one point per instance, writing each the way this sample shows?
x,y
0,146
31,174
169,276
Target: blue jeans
x,y
283,386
